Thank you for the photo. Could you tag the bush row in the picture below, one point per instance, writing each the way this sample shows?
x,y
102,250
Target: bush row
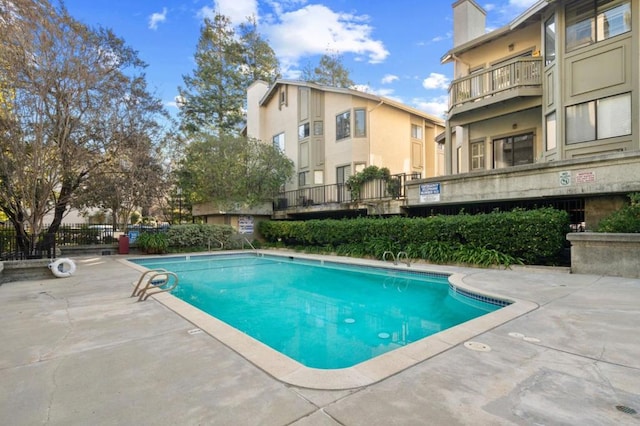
x,y
201,236
527,236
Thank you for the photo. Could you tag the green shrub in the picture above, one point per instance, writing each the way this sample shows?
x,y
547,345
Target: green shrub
x,y
153,242
625,220
201,236
528,236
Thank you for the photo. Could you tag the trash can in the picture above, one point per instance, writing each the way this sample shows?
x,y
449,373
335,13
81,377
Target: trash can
x,y
123,244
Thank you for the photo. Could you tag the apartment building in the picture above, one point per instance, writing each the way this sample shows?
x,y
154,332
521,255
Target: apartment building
x,y
543,111
331,133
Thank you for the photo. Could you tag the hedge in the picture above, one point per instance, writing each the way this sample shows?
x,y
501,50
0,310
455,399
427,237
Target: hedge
x,y
526,236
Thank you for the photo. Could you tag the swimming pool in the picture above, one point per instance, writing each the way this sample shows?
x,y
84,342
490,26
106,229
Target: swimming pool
x,y
324,315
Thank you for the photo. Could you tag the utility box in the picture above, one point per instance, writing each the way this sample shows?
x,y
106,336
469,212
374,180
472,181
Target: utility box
x,y
123,244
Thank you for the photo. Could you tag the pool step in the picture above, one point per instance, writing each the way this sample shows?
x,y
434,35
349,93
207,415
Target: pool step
x,y
154,281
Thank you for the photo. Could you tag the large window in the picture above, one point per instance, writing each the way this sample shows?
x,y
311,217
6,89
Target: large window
x,y
303,131
360,123
599,119
513,151
477,155
550,40
416,131
343,125
591,21
278,141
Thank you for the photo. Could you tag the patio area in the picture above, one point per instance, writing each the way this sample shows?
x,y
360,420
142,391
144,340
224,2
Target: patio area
x,y
79,351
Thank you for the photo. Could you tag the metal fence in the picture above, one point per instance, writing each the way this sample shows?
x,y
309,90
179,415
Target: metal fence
x,y
44,245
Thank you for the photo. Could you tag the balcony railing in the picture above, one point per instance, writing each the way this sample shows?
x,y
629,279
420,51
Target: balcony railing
x,y
339,193
517,73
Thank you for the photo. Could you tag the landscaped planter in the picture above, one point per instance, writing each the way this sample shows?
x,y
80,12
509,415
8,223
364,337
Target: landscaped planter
x,y
603,253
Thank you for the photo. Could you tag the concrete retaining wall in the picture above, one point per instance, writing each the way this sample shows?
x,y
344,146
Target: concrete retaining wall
x,y
605,254
21,270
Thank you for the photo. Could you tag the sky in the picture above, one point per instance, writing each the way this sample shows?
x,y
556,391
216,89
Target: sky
x,y
391,48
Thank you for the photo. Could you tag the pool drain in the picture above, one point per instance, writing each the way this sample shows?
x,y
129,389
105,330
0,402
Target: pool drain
x,y
194,331
477,346
384,335
349,320
626,410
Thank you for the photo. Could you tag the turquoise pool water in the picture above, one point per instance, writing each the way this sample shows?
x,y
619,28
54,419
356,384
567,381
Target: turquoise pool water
x,y
324,315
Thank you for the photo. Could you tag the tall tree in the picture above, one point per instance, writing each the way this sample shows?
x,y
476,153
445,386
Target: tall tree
x,y
213,96
229,169
330,71
74,107
213,99
259,59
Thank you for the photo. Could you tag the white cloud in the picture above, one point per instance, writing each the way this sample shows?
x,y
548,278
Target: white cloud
x,y
157,18
236,10
389,78
435,106
435,81
316,29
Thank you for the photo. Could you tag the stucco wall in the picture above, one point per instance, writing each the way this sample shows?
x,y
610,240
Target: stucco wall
x,y
605,254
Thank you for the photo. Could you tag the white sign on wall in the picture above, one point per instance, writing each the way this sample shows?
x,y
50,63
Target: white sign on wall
x,y
245,224
429,192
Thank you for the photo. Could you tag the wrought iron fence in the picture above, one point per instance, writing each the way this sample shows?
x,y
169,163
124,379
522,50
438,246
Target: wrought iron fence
x,y
44,245
340,193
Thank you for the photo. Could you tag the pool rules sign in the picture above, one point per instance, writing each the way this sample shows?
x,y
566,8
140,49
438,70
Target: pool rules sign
x,y
430,192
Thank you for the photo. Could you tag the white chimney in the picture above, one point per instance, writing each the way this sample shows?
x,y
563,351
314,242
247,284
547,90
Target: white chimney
x,y
469,21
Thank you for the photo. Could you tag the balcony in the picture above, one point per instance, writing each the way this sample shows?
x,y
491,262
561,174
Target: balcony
x,y
339,197
518,77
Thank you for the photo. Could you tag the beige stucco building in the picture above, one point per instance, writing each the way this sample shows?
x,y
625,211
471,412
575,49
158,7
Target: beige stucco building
x,y
331,133
543,111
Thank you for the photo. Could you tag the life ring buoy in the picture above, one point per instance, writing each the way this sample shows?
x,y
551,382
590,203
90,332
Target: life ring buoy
x,y
63,268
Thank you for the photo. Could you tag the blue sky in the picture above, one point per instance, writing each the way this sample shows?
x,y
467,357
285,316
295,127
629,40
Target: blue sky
x,y
391,48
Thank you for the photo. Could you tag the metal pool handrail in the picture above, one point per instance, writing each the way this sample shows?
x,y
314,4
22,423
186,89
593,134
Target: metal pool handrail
x,y
165,277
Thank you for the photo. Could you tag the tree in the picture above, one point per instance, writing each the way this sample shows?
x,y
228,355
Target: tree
x,y
259,59
72,111
330,71
213,96
213,99
229,169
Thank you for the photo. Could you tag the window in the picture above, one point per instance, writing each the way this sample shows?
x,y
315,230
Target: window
x,y
513,151
278,141
477,155
551,138
343,125
550,40
416,131
318,128
302,179
581,122
459,158
613,116
283,96
342,174
360,123
591,21
303,131
599,119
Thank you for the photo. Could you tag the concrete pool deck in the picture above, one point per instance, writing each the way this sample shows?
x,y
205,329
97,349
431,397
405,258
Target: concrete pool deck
x,y
79,351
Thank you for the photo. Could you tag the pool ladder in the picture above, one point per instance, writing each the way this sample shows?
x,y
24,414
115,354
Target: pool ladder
x,y
402,256
154,281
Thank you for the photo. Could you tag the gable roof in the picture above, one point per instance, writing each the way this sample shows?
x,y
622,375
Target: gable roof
x,y
524,18
351,92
